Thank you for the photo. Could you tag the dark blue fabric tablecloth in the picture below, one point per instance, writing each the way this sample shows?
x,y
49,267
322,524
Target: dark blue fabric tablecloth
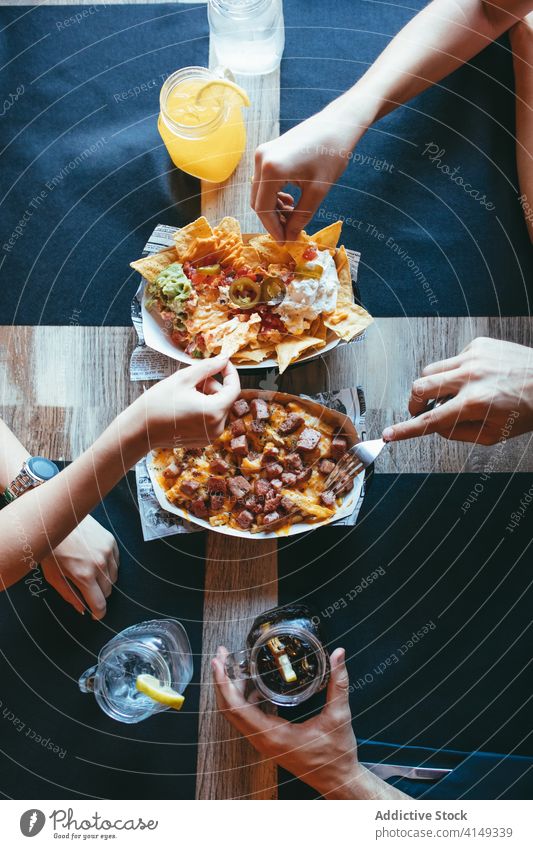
x,y
85,176
432,602
430,594
55,742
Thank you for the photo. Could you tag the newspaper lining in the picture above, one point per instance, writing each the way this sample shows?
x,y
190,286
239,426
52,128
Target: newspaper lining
x,y
147,364
158,523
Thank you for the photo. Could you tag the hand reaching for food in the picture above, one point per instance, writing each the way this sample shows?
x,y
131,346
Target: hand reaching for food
x,y
188,409
312,155
490,384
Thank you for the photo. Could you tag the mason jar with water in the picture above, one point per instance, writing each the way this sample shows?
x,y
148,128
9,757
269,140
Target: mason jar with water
x,y
248,36
141,671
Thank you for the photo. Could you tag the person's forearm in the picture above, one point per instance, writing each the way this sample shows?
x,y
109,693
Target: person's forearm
x,y
33,525
363,784
437,41
522,45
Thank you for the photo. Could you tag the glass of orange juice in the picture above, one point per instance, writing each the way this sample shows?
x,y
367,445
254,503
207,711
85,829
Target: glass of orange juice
x,y
201,122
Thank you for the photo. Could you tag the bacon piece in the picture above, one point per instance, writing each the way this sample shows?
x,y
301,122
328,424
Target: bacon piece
x,y
254,503
290,424
218,466
239,446
328,498
273,470
308,440
238,428
338,447
304,475
216,502
257,426
239,487
287,504
199,508
326,466
259,408
240,408
270,517
289,478
261,487
215,484
245,519
272,504
189,487
294,462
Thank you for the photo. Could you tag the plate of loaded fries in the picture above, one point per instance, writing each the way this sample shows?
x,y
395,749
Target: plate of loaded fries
x,y
215,290
266,474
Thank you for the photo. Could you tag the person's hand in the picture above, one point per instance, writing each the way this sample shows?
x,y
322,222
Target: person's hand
x,y
84,567
188,409
312,156
322,751
491,384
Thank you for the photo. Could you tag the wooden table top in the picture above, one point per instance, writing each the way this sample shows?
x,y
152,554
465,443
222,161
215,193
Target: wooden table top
x,y
60,386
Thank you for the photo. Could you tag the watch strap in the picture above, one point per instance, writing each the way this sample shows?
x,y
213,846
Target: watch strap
x,y
18,486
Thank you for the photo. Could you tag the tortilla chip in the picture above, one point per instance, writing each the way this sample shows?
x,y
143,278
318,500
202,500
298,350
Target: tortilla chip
x,y
291,348
207,314
249,256
228,225
299,246
269,251
184,238
348,319
328,237
232,335
230,256
252,355
318,329
201,250
151,266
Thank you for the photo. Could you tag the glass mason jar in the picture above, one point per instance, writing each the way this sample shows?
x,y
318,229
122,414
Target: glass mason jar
x,y
248,36
159,647
285,658
207,142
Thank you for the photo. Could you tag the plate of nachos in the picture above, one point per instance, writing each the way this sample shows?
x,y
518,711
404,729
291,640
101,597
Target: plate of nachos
x,y
265,475
219,291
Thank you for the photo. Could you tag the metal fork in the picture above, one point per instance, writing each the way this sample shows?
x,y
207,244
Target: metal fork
x,y
363,454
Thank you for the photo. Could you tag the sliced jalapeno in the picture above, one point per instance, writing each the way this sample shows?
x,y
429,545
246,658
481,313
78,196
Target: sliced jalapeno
x,y
210,270
272,289
245,293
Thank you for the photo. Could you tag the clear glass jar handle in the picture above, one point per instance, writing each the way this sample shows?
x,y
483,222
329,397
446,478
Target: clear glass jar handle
x,y
86,680
237,665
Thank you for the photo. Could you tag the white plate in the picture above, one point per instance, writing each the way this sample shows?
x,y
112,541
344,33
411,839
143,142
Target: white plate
x,y
157,337
348,505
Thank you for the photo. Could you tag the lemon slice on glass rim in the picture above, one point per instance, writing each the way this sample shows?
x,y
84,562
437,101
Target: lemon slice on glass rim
x,y
152,687
215,92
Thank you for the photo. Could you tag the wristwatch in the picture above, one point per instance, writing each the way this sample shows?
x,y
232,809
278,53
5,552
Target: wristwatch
x,y
34,472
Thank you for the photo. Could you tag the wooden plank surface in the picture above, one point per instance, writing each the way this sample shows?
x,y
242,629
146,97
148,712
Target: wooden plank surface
x,y
240,579
60,386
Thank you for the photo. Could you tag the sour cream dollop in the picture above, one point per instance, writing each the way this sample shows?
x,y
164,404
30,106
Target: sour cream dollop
x,y
307,298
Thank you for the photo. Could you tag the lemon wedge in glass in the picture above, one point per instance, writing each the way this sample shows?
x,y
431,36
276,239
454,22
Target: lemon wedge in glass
x,y
151,687
218,92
